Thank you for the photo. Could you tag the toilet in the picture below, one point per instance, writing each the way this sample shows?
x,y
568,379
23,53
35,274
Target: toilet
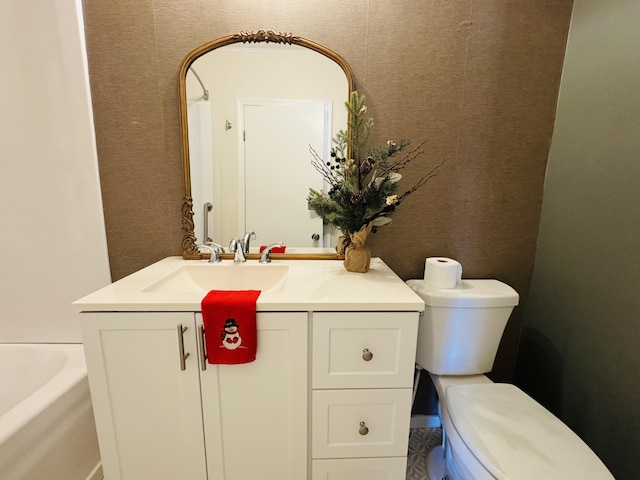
x,y
490,430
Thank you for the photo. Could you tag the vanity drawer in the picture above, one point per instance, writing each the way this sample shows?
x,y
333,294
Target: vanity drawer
x,y
364,349
387,468
360,423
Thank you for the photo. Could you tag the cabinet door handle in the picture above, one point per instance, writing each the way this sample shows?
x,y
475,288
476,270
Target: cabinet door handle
x,y
203,353
183,356
367,355
363,430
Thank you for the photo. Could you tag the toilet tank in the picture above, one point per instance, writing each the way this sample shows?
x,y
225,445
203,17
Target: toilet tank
x,y
461,328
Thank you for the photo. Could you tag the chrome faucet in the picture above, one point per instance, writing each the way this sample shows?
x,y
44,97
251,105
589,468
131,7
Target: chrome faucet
x,y
265,257
247,239
215,250
237,246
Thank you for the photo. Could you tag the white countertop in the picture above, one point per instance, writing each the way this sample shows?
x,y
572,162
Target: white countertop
x,y
310,285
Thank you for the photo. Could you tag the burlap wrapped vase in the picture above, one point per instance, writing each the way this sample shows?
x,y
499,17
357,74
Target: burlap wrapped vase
x,y
357,255
341,244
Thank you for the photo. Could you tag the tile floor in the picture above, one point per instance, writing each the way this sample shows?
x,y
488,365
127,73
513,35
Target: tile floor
x,y
421,440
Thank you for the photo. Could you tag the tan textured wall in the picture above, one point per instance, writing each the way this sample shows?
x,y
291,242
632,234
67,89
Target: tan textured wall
x,y
477,79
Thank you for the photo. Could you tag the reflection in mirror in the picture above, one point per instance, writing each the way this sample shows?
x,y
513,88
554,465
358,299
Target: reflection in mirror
x,y
251,106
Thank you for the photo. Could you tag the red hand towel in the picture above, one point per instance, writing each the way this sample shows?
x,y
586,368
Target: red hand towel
x,y
229,318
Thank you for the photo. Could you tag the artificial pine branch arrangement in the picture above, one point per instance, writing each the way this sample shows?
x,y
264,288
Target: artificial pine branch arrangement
x,y
362,188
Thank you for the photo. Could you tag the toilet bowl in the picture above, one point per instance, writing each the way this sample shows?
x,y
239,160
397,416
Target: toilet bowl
x,y
490,430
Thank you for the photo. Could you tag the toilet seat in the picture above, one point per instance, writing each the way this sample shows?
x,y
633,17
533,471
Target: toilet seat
x,y
514,437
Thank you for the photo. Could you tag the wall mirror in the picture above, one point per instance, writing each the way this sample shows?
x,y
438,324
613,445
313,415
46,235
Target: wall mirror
x,y
251,105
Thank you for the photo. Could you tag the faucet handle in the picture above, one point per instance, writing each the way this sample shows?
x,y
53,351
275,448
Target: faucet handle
x,y
214,250
217,247
246,240
265,257
234,243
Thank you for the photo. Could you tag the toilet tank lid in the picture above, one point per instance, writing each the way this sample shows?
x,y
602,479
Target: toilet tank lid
x,y
470,294
515,437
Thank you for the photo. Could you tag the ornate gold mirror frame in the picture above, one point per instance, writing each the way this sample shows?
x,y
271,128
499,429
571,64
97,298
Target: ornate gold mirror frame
x,y
189,246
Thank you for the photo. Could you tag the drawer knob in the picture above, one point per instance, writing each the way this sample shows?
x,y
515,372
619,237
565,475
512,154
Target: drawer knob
x,y
366,355
363,429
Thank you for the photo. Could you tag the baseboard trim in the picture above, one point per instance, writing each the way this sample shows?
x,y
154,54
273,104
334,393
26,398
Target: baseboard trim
x,y
424,421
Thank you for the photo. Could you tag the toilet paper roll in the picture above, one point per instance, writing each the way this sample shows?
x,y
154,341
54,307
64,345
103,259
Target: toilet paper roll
x,y
442,272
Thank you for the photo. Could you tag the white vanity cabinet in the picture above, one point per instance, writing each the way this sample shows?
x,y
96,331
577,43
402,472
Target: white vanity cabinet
x,y
327,398
226,422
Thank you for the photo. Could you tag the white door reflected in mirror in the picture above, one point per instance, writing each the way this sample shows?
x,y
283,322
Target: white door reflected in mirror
x,y
273,130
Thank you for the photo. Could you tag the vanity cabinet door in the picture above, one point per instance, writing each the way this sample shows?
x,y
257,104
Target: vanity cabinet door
x,y
255,414
147,410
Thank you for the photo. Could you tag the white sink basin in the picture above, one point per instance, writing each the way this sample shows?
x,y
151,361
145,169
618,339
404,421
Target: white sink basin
x,y
225,276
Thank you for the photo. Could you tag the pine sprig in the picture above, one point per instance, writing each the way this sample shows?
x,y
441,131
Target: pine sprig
x,y
363,187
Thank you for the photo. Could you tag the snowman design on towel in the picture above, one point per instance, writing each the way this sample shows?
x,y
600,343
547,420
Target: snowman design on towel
x,y
230,337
